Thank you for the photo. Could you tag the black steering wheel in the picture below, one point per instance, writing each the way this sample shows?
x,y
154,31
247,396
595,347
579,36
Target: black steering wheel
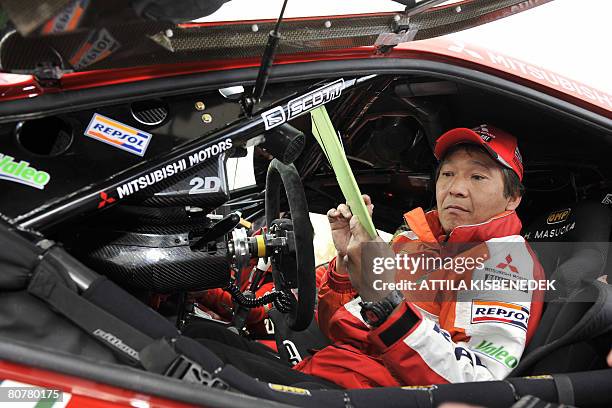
x,y
302,310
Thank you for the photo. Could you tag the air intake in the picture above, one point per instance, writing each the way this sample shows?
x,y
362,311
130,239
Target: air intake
x,y
150,113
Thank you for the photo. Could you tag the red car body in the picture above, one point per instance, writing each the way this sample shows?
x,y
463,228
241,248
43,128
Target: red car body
x,y
86,393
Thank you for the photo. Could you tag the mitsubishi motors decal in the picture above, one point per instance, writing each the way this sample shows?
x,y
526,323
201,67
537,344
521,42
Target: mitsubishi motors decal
x,y
514,66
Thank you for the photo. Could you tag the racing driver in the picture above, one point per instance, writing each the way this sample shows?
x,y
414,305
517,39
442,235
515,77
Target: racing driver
x,y
387,337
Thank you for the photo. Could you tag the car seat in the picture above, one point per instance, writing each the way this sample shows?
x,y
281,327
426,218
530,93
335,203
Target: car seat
x,y
575,331
572,244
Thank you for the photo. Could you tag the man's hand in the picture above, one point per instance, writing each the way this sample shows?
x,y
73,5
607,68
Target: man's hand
x,y
349,236
339,222
362,278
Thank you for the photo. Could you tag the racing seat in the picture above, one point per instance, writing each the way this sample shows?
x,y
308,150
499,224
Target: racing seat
x,y
572,244
575,331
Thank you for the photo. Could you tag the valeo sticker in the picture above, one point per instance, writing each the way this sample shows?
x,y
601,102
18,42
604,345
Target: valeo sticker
x,y
288,389
21,172
498,353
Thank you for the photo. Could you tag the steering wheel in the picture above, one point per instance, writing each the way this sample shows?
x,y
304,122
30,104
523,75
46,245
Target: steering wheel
x,y
302,310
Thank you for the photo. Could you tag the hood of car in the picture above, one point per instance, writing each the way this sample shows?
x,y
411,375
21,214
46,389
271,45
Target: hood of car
x,y
50,38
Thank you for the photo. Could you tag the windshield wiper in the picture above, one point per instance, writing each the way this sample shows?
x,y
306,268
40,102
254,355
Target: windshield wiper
x,y
266,64
413,8
402,32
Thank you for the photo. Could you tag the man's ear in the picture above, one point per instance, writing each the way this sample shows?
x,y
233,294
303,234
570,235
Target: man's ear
x,y
513,202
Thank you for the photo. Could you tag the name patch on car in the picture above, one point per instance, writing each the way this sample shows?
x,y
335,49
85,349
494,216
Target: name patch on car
x,y
118,135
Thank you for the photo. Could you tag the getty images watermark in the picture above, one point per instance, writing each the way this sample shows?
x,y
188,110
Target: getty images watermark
x,y
511,269
495,280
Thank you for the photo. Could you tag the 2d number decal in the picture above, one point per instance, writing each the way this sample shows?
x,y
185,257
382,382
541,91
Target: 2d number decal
x,y
205,185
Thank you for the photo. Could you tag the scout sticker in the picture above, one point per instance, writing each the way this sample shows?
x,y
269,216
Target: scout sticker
x,y
21,172
99,45
118,135
68,19
305,103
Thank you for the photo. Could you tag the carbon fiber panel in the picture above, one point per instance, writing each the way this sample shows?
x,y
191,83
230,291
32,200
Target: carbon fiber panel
x,y
134,217
162,229
446,20
183,192
148,43
162,270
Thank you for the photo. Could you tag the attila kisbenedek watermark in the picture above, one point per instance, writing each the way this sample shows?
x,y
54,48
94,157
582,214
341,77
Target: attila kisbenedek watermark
x,y
434,272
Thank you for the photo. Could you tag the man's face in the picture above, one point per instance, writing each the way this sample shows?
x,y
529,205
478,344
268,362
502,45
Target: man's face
x,y
470,189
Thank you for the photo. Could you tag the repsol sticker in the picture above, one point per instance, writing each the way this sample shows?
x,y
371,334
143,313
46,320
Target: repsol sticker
x,y
556,217
21,172
99,45
305,103
178,166
118,134
68,19
288,389
484,311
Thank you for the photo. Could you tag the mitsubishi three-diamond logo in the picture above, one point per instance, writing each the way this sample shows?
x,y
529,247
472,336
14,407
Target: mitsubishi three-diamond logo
x,y
508,264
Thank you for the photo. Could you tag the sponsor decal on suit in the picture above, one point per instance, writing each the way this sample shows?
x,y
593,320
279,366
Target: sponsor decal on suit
x,y
484,311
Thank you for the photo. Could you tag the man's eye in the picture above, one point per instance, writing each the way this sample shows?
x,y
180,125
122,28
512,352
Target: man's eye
x,y
447,173
478,177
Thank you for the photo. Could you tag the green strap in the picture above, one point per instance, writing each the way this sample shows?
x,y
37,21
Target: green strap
x,y
324,132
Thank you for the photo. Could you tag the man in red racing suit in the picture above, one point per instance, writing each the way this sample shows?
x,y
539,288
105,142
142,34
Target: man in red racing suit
x,y
450,336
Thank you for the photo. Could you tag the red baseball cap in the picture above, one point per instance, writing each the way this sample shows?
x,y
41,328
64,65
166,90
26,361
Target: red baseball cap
x,y
502,146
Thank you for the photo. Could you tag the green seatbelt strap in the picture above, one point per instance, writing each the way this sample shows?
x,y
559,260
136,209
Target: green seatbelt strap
x,y
324,132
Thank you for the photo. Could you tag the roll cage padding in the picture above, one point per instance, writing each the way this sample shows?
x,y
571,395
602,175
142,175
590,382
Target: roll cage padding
x,y
492,394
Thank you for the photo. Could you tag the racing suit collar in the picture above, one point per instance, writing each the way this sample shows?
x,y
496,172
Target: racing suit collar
x,y
428,228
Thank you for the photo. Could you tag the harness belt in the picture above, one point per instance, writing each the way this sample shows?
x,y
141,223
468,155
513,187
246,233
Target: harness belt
x,y
129,344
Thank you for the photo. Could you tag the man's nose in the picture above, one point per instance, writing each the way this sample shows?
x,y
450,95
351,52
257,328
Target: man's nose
x,y
458,187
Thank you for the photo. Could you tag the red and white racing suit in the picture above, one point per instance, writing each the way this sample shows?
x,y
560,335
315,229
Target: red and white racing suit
x,y
459,336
